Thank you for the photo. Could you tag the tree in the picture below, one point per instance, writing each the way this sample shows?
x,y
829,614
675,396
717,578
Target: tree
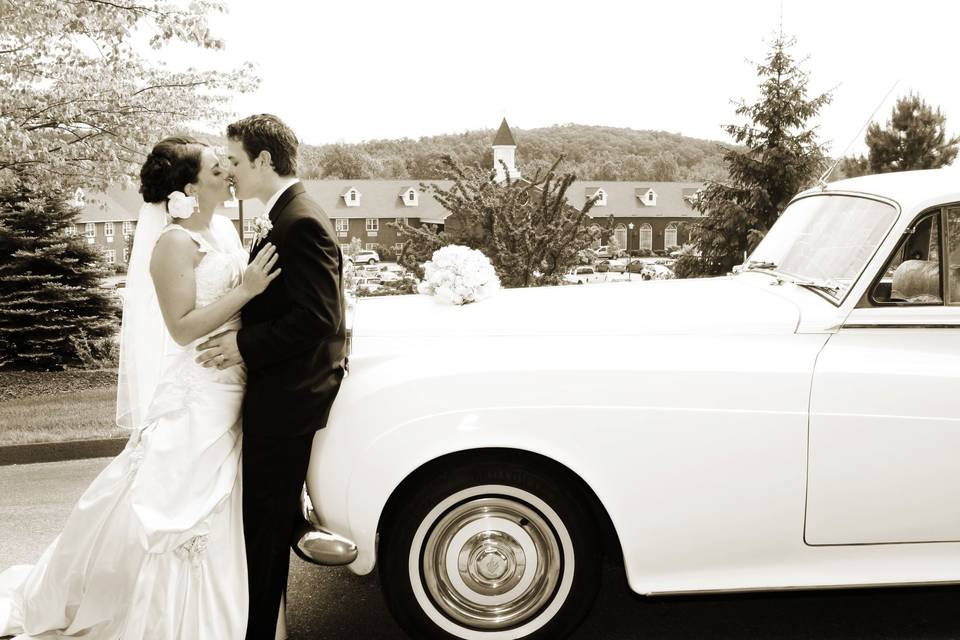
x,y
527,228
52,313
914,138
355,247
613,247
593,153
419,243
347,163
665,168
80,107
853,166
779,155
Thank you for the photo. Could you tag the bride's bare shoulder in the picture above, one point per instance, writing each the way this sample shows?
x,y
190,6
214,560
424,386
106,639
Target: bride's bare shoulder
x,y
174,245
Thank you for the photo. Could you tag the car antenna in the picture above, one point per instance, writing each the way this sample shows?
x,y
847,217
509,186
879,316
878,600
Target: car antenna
x,y
823,179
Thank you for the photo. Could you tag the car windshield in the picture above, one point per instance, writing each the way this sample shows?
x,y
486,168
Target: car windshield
x,y
824,242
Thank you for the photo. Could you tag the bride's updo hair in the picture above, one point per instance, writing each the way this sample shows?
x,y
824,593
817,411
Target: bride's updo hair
x,y
173,164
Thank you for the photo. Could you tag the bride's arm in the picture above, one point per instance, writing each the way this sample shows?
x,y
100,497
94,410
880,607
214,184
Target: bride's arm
x,y
171,268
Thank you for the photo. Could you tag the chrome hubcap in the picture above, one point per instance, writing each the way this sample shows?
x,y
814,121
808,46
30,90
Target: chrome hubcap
x,y
491,563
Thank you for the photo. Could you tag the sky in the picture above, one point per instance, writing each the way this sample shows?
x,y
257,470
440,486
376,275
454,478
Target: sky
x,y
354,70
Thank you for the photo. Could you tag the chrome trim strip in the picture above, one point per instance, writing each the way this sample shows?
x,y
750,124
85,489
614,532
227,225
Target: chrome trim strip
x,y
901,326
821,587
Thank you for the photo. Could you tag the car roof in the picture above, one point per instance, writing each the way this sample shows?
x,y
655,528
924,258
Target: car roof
x,y
909,189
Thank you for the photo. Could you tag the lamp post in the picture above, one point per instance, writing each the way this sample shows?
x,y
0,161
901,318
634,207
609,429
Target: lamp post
x,y
629,233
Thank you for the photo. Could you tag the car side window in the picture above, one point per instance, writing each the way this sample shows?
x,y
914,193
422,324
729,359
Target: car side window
x,y
952,217
913,276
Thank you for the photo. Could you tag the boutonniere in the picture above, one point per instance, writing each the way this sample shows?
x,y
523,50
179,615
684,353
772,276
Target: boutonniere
x,y
261,227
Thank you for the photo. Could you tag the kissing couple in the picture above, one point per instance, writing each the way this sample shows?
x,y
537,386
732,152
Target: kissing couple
x,y
229,363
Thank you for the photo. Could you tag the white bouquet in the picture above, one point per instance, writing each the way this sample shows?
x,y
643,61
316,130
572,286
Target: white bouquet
x,y
459,275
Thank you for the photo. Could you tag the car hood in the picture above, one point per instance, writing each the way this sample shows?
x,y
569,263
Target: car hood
x,y
728,305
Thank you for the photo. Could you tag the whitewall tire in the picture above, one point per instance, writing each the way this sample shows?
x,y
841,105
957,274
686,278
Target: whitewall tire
x,y
488,551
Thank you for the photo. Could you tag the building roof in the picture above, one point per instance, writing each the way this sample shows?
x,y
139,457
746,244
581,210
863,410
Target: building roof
x,y
378,199
504,136
622,201
384,199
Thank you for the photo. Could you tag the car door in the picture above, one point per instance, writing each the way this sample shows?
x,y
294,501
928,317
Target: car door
x,y
884,426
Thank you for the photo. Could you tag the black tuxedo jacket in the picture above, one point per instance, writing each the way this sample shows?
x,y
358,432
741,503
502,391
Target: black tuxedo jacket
x,y
293,339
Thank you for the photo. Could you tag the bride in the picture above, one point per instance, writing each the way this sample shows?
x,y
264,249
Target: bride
x,y
154,548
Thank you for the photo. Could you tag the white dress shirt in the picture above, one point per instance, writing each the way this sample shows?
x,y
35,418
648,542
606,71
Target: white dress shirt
x,y
276,196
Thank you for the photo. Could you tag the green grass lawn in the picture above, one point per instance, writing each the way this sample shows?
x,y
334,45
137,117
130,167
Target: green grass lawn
x,y
59,416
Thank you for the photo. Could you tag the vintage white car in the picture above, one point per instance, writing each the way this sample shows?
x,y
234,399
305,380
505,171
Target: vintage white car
x,y
790,426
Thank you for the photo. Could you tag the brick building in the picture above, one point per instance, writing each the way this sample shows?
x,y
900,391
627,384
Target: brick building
x,y
646,215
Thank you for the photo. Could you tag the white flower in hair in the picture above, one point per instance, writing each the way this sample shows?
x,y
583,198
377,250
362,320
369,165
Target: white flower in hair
x,y
181,205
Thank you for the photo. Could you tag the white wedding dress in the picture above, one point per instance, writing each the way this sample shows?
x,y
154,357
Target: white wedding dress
x,y
154,548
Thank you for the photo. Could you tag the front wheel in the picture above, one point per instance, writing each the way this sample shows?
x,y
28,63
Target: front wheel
x,y
490,551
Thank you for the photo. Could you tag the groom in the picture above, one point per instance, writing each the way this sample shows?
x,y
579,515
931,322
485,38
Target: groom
x,y
293,345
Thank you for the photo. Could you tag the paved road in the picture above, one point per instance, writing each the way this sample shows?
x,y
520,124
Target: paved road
x,y
332,604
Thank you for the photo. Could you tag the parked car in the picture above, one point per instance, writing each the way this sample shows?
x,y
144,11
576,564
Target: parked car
x,y
656,271
604,252
580,275
616,266
391,276
790,426
368,284
366,257
635,266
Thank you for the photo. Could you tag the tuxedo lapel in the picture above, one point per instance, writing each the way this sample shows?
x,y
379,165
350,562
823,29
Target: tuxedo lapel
x,y
275,211
291,192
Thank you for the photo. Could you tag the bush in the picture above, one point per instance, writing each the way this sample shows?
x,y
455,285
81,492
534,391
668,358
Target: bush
x,y
96,353
690,266
586,256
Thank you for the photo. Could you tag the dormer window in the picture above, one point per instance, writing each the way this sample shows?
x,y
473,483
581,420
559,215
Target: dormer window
x,y
601,197
79,198
410,197
647,196
351,197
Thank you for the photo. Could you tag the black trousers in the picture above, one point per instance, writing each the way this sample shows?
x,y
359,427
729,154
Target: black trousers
x,y
274,470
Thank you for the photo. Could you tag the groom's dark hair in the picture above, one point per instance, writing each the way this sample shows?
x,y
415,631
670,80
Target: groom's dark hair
x,y
266,132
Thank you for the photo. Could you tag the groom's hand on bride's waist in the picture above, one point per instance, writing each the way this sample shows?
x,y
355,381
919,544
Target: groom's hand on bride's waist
x,y
220,351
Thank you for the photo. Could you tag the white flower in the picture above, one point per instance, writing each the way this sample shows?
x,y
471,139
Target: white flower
x,y
181,205
458,275
262,225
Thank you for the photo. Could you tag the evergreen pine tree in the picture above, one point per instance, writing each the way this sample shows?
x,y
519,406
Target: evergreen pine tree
x,y
778,155
52,312
914,138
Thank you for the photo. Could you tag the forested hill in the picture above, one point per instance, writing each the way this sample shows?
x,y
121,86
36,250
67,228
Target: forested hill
x,y
591,152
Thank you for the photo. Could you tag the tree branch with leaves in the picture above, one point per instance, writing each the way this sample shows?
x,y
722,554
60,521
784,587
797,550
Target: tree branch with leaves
x,y
81,107
530,232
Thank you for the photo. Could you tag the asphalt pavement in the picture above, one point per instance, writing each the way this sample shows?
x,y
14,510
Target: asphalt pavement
x,y
333,603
